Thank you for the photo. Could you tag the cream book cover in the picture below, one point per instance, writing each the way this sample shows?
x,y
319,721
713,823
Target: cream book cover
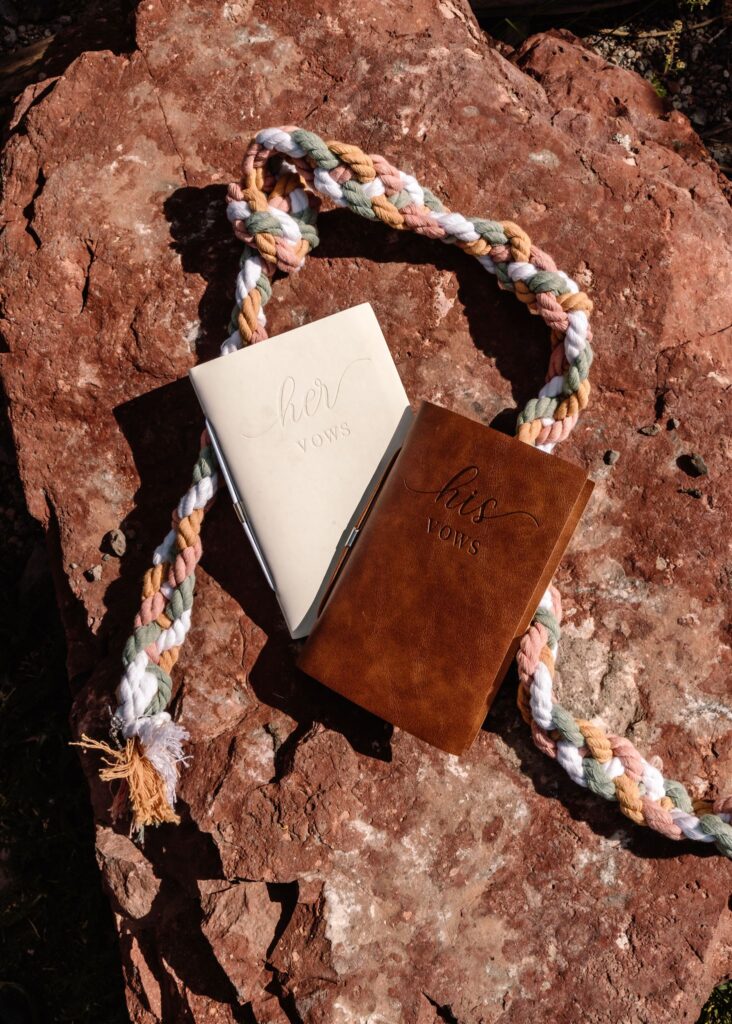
x,y
304,424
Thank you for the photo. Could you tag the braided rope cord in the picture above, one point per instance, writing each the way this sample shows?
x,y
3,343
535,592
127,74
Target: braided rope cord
x,y
274,212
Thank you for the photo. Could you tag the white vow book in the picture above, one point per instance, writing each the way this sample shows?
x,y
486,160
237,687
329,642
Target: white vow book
x,y
304,424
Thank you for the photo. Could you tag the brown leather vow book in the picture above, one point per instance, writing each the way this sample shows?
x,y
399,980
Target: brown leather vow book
x,y
443,575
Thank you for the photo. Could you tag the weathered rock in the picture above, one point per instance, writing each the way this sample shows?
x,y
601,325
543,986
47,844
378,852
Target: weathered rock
x,y
127,874
693,464
117,542
404,885
240,922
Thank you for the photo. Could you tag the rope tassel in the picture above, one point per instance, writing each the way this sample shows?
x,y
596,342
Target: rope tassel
x,y
148,767
145,786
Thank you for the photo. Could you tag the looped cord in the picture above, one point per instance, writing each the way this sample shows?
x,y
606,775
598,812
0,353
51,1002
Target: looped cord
x,y
274,212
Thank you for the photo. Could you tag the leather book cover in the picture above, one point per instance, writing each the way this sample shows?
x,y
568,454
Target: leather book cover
x,y
450,562
303,424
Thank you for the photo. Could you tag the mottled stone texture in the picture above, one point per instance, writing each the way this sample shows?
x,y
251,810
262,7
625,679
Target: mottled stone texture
x,y
330,869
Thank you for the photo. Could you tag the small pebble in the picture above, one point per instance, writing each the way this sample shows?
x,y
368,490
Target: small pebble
x,y
116,542
692,464
73,565
693,492
650,431
94,574
611,457
673,423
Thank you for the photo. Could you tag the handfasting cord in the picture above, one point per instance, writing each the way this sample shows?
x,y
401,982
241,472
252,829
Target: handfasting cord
x,y
274,213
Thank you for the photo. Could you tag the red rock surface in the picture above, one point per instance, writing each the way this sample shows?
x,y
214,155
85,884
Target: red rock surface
x,y
329,868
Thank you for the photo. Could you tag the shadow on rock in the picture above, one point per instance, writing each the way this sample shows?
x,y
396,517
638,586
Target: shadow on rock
x,y
499,328
170,938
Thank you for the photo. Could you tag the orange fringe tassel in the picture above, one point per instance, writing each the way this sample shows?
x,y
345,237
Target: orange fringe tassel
x,y
146,788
